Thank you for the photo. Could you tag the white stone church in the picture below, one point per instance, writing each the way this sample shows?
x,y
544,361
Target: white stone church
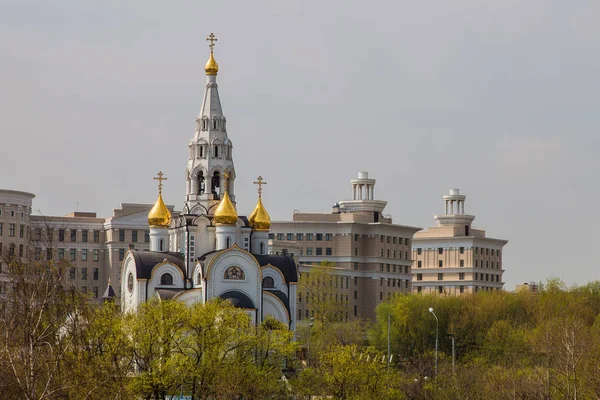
x,y
208,251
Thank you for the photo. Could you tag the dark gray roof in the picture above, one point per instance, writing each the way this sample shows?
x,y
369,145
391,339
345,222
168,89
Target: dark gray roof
x,y
145,261
109,293
168,294
283,297
284,263
238,299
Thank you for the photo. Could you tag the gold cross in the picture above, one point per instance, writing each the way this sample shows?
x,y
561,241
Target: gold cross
x,y
211,38
260,182
160,178
226,175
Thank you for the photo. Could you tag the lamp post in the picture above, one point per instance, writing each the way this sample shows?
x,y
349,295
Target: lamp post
x,y
388,340
437,323
312,320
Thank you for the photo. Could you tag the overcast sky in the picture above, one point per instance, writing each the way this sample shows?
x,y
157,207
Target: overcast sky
x,y
497,98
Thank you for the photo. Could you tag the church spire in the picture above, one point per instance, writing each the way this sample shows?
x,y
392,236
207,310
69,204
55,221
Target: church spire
x,y
210,150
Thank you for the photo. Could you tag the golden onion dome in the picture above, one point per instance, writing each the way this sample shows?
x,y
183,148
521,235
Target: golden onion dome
x,y
226,214
211,66
159,216
259,219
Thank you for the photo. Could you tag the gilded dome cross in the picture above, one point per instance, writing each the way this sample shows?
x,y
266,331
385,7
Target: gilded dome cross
x,y
160,178
212,38
260,182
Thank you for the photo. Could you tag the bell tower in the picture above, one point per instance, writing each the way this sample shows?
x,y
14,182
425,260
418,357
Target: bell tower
x,y
210,150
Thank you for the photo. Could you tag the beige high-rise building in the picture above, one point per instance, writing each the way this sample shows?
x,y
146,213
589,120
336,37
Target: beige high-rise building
x,y
452,257
371,255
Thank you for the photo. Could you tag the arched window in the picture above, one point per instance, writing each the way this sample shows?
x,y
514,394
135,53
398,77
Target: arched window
x,y
204,124
130,282
201,151
216,151
201,184
166,279
268,283
262,248
198,279
215,123
216,183
160,245
234,273
228,242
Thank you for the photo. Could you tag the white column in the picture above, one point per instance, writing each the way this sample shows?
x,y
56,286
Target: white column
x,y
192,186
372,192
353,192
446,206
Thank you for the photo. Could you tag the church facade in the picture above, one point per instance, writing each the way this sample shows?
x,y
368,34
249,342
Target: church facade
x,y
209,251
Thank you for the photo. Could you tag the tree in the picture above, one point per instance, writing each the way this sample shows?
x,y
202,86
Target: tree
x,y
317,286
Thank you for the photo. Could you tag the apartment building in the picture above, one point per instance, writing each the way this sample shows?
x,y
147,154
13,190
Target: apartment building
x,y
371,255
453,258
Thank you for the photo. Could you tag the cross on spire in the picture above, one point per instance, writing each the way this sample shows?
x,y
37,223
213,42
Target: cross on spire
x,y
160,178
227,175
212,38
260,181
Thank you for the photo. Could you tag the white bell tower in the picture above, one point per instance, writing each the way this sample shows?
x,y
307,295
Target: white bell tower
x,y
210,150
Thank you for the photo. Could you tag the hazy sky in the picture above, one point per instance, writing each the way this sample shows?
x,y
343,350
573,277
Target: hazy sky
x,y
497,98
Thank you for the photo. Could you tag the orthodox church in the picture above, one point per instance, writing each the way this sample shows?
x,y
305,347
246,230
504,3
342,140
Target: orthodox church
x,y
209,251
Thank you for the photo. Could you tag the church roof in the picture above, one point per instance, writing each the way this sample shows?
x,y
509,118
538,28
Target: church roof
x,y
281,296
145,261
168,294
284,263
238,299
109,293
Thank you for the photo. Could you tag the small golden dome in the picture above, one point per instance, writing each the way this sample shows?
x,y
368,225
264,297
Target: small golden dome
x,y
259,219
211,66
226,214
159,216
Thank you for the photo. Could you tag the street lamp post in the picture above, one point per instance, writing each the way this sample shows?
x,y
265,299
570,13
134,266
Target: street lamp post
x,y
312,320
437,323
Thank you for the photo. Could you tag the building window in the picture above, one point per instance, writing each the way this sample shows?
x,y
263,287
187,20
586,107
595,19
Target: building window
x,y
95,274
440,289
21,231
356,266
355,311
387,268
319,236
72,273
268,283
419,289
84,254
121,254
299,236
406,242
440,250
462,289
21,251
72,254
461,250
380,281
1,226
309,251
419,277
96,255
95,291
381,267
319,251
290,236
476,276
388,253
355,295
381,239
11,230
476,263
419,264
440,263
166,279
461,276
380,295
328,251
73,235
487,252
394,268
61,235
134,234
356,236
487,263
121,235
84,236
356,251
462,263
328,236
84,273
280,236
309,236
440,277
419,251
97,236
